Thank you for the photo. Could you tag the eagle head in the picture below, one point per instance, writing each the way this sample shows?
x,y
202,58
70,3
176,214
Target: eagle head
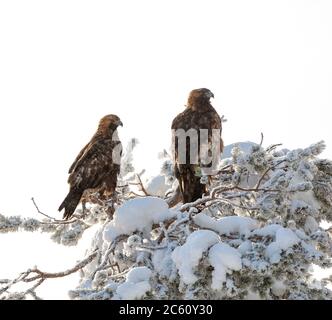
x,y
109,123
200,96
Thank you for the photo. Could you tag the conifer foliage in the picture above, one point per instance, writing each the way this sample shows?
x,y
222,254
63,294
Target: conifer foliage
x,y
255,235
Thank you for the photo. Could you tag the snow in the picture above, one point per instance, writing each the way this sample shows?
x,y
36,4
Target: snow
x,y
284,239
245,247
137,214
278,288
307,197
205,264
187,256
245,147
132,291
252,295
311,225
227,225
273,252
224,259
269,230
301,234
162,262
136,284
139,274
157,186
133,240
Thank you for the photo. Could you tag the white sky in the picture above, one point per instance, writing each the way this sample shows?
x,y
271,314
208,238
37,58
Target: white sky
x,y
64,64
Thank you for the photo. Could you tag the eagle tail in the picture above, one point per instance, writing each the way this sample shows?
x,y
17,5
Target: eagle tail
x,y
70,203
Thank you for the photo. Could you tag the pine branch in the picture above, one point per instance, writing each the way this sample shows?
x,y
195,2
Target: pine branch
x,y
36,274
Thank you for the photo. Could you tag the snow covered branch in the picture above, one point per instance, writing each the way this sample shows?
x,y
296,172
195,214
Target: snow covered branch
x,y
38,277
255,235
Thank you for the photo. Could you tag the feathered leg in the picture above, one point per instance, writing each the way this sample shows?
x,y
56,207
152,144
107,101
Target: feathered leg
x,y
178,176
193,189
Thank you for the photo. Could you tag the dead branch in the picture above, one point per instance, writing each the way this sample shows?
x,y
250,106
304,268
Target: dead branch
x,y
110,250
35,274
223,170
141,185
168,227
266,172
132,193
4,281
218,190
53,220
262,138
40,212
271,148
175,198
46,275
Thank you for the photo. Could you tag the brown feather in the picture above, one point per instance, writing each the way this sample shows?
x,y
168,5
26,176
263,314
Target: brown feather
x,y
94,167
199,114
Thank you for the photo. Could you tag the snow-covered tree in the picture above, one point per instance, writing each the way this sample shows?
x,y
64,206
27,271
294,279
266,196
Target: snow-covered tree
x,y
255,235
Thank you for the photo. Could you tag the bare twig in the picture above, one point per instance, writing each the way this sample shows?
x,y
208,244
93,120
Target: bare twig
x,y
123,273
163,228
40,212
176,224
110,249
266,172
3,281
32,292
262,138
136,194
40,276
186,206
169,227
54,220
152,247
269,149
141,185
223,170
175,198
219,190
47,275
257,189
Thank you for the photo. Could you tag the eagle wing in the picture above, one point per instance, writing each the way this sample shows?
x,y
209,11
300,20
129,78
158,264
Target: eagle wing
x,y
193,120
188,174
94,165
79,156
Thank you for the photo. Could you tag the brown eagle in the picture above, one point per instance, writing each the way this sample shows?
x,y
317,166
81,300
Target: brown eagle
x,y
199,120
97,165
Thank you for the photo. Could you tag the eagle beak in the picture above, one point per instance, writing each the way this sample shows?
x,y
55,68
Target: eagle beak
x,y
212,95
120,123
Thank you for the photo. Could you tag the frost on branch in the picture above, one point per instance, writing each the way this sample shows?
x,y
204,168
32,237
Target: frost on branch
x,y
127,159
256,233
187,256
